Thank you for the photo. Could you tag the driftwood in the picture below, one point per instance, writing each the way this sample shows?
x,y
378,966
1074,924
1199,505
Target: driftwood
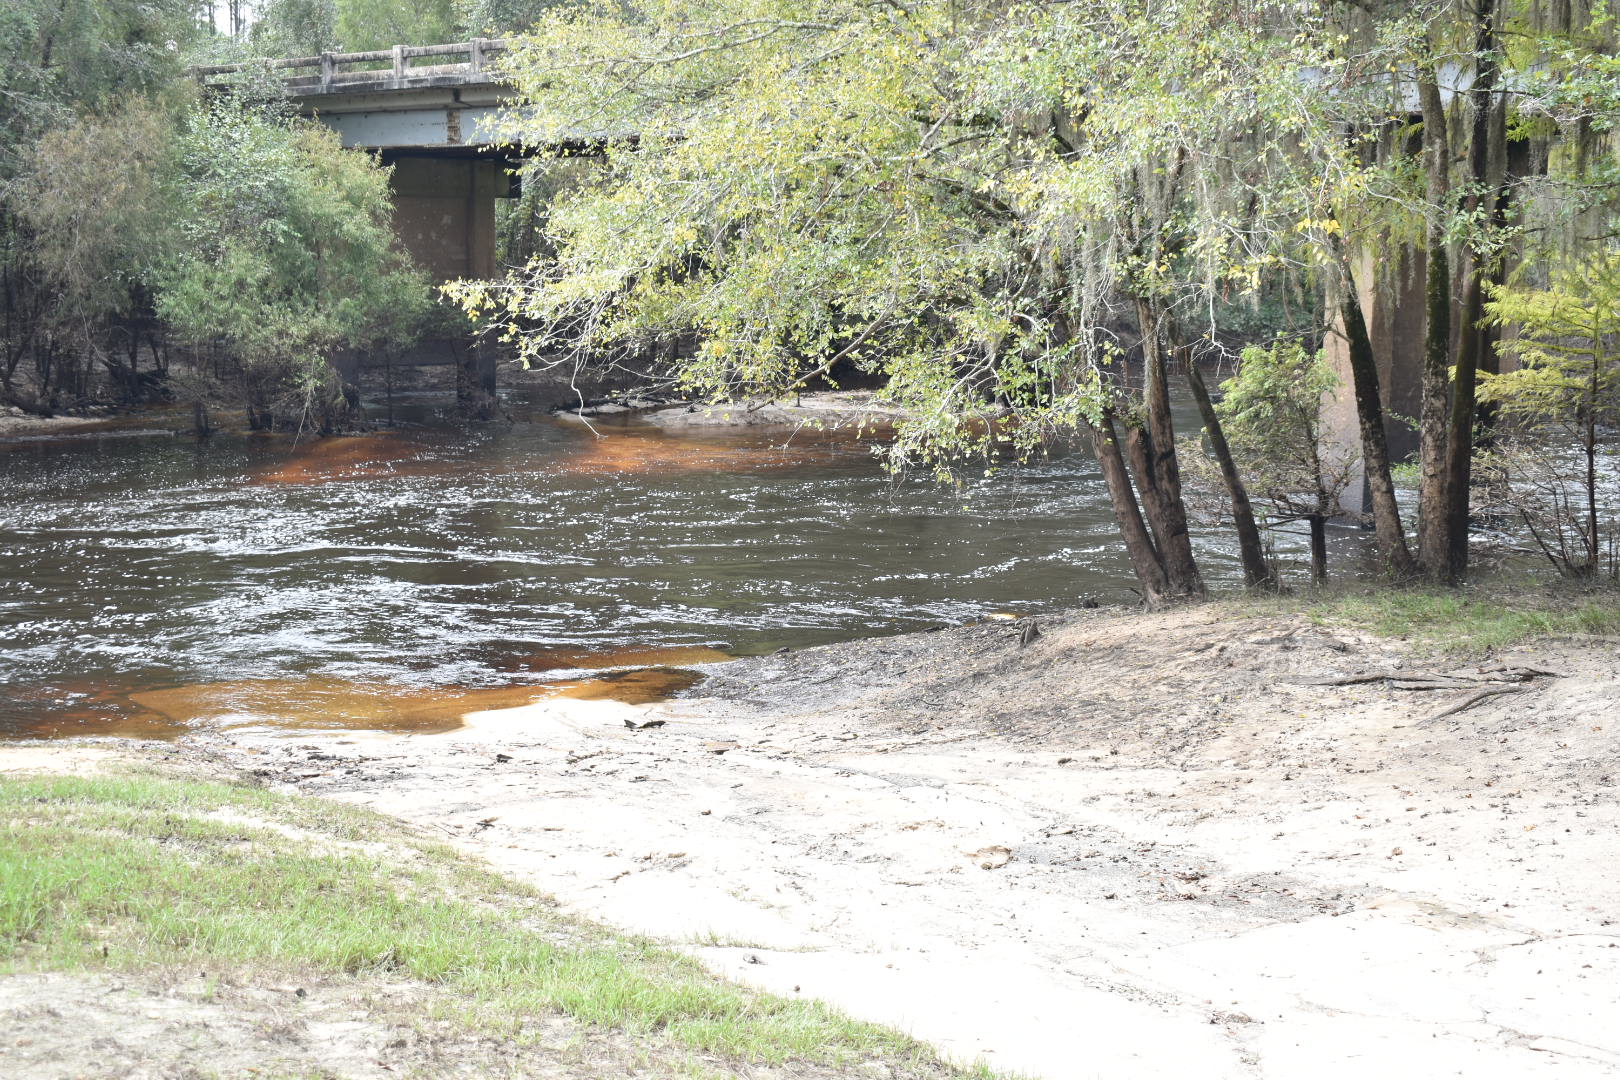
x,y
1436,683
1418,680
1472,700
1519,674
1355,680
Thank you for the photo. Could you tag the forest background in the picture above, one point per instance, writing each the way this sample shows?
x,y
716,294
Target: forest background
x,y
1022,220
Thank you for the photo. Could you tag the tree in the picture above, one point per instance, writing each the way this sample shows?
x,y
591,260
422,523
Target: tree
x,y
1482,74
937,193
285,256
1568,350
98,233
1481,202
289,28
59,59
1271,414
380,24
501,17
1258,573
1025,213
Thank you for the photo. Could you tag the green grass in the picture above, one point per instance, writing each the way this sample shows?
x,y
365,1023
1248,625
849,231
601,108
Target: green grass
x,y
1455,620
131,871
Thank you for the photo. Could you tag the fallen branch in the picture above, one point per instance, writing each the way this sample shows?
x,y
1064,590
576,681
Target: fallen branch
x,y
1425,683
1519,674
1473,700
1354,680
1417,680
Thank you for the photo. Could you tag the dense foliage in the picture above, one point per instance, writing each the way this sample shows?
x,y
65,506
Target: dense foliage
x,y
284,256
990,206
1567,345
154,244
252,240
61,59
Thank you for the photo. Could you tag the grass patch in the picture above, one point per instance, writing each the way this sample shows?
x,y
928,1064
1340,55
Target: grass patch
x,y
130,871
1455,620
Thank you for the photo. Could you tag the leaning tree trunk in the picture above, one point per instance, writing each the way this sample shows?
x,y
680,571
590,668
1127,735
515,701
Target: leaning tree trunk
x,y
1139,545
1257,572
1471,341
1153,447
1138,446
1391,538
1434,541
31,406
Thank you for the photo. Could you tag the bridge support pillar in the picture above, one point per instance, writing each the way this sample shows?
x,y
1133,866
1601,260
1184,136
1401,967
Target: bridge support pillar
x,y
444,216
475,382
1392,301
444,213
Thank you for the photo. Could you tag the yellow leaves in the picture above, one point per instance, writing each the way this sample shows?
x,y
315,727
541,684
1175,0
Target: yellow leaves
x,y
1327,225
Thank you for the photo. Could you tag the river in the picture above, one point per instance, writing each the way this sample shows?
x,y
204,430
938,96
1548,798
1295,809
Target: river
x,y
152,584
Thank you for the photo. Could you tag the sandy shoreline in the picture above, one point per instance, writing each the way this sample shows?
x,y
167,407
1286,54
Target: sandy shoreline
x,y
1139,846
14,424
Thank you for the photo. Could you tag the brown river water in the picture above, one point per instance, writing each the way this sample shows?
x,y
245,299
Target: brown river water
x,y
152,585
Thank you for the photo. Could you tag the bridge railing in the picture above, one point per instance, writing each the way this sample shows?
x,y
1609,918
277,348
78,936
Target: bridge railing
x,y
334,71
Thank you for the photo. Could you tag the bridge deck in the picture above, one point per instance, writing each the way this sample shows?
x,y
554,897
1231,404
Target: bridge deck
x,y
336,73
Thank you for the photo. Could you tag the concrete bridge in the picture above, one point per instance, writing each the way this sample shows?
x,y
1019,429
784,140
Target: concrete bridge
x,y
432,112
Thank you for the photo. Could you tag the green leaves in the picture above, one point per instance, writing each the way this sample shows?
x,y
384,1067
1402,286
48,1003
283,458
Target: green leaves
x,y
1567,346
1271,414
962,199
947,196
285,252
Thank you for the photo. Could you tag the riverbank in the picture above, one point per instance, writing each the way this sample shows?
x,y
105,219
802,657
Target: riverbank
x,y
857,410
1230,841
14,423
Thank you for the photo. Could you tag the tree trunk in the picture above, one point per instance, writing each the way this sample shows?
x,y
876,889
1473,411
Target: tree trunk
x,y
475,392
1318,524
1257,572
1471,341
1490,359
1139,546
1589,433
1161,483
1387,529
1434,541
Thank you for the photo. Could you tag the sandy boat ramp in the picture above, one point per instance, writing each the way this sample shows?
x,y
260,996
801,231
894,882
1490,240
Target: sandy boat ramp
x,y
1131,846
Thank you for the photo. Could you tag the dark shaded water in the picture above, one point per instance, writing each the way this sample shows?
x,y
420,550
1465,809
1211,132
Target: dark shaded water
x,y
438,561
